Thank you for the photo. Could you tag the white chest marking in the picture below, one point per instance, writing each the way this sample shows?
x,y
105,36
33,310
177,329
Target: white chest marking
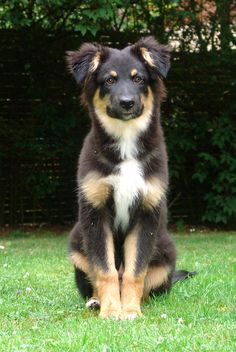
x,y
127,144
127,184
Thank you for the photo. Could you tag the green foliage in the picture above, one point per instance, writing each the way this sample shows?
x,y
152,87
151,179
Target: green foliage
x,y
82,16
185,22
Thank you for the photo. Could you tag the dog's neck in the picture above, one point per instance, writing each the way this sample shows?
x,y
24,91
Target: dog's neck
x,y
129,144
127,139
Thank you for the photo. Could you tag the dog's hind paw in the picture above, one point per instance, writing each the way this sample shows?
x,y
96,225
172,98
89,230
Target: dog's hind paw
x,y
93,303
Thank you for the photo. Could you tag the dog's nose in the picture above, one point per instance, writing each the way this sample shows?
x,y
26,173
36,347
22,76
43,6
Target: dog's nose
x,y
127,104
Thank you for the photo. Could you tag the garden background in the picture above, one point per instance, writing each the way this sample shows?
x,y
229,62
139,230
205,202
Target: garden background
x,y
42,125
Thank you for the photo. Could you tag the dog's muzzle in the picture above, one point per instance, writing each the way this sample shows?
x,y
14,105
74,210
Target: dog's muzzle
x,y
126,109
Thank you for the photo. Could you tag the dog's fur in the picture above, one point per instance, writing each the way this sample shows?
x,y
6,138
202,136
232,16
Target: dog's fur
x,y
120,246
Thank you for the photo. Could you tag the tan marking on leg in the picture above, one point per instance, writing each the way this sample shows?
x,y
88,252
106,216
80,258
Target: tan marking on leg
x,y
132,284
155,191
113,73
147,56
130,251
110,248
95,189
131,295
155,277
80,261
107,283
134,72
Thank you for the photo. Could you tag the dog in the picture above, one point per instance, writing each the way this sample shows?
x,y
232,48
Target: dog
x,y
120,247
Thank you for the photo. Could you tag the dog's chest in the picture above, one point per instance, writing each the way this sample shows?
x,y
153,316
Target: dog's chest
x,y
127,182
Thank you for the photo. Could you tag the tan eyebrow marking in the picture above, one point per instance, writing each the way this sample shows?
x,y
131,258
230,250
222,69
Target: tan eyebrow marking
x,y
113,73
134,72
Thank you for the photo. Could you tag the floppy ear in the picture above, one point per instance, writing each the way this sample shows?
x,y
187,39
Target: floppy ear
x,y
154,55
84,61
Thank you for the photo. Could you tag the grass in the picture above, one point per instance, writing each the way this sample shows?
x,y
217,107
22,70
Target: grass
x,y
40,309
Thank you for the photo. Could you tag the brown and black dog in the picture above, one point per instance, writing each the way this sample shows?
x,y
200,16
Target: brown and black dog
x,y
120,246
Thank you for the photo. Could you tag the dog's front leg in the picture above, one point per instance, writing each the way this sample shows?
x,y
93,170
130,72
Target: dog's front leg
x,y
138,247
104,276
107,286
132,282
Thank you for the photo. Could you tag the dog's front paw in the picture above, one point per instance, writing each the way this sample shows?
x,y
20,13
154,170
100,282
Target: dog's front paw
x,y
111,312
130,314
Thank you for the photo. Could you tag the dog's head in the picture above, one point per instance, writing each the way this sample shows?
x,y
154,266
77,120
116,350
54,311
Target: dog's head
x,y
119,84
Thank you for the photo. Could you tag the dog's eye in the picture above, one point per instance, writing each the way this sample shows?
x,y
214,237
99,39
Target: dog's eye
x,y
109,81
137,79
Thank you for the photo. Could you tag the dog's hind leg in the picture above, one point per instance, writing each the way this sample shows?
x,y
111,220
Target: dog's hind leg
x,y
83,281
157,280
82,269
158,283
85,287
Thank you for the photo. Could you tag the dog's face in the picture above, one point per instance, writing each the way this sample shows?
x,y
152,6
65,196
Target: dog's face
x,y
122,83
118,84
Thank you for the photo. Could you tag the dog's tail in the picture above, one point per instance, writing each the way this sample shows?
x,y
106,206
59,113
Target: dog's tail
x,y
182,275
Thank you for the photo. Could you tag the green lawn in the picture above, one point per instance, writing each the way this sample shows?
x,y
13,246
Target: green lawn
x,y
40,309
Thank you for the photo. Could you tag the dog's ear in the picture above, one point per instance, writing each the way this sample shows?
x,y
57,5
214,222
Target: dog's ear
x,y
153,54
85,61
